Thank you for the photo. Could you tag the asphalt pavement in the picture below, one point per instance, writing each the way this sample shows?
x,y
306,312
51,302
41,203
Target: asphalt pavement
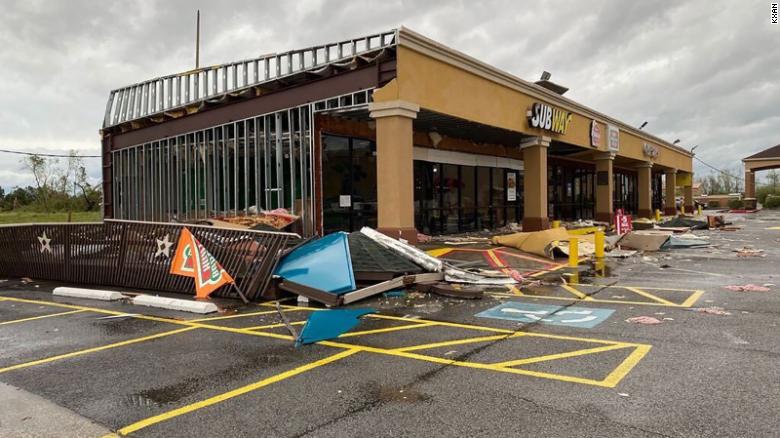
x,y
424,366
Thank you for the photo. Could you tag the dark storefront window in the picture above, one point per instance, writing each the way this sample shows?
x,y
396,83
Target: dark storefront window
x,y
625,193
349,183
453,198
658,191
570,191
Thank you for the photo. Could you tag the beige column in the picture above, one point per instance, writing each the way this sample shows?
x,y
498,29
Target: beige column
x,y
750,184
535,183
395,167
688,198
670,207
604,186
645,180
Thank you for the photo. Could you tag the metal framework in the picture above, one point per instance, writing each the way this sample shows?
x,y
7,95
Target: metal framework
x,y
131,254
239,168
176,91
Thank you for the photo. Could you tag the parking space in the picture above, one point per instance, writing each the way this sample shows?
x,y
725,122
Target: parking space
x,y
425,365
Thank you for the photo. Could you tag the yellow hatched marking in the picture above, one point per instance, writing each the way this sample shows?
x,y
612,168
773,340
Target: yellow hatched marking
x,y
576,293
498,261
438,252
457,342
242,315
94,350
270,326
606,286
515,290
692,299
547,271
511,363
385,330
626,366
592,300
33,318
649,295
235,393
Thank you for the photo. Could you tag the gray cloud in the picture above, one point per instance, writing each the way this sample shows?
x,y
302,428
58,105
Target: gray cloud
x,y
702,71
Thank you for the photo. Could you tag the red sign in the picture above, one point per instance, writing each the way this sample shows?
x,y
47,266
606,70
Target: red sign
x,y
595,134
622,222
193,260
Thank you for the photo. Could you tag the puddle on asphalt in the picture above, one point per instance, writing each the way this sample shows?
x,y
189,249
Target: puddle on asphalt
x,y
383,393
119,326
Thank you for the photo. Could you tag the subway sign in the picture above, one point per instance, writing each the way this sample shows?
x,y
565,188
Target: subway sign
x,y
549,118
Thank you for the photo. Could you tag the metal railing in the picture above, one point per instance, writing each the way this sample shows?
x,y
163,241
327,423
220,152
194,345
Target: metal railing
x,y
138,255
174,91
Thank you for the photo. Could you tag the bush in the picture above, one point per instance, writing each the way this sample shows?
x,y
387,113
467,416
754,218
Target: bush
x,y
772,201
736,204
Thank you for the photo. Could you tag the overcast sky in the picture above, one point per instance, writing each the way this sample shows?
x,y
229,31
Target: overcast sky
x,y
707,72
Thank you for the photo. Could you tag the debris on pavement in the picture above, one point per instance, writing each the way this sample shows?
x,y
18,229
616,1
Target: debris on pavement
x,y
647,320
649,240
685,222
686,240
749,251
330,324
546,243
323,264
711,310
747,288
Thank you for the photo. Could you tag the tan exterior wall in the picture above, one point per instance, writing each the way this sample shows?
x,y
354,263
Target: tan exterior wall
x,y
439,86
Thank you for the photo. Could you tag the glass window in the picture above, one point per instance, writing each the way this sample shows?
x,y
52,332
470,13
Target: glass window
x,y
450,198
468,198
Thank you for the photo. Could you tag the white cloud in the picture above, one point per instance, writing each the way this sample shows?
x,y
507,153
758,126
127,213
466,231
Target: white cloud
x,y
702,71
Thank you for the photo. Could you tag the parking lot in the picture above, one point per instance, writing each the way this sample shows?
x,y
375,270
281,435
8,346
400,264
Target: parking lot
x,y
553,360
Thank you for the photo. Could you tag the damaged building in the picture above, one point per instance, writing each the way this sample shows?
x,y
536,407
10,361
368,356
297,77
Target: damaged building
x,y
394,131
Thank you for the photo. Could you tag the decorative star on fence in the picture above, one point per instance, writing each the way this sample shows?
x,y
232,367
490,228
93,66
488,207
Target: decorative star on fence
x,y
45,242
164,247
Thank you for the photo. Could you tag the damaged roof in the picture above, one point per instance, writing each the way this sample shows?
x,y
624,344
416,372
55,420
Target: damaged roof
x,y
179,94
773,152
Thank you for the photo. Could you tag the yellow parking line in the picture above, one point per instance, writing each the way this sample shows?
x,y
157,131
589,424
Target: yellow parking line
x,y
649,295
33,318
515,290
605,286
443,323
626,366
511,363
457,342
386,330
612,380
576,293
270,326
692,299
600,300
235,393
241,315
94,350
547,271
438,252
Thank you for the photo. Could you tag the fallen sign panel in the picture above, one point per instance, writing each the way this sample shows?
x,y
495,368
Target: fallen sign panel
x,y
583,317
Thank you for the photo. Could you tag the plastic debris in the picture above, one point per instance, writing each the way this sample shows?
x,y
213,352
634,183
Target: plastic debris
x,y
747,288
324,264
330,324
648,320
711,310
749,251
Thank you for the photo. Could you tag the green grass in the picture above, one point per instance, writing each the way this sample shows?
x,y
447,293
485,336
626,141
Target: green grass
x,y
26,217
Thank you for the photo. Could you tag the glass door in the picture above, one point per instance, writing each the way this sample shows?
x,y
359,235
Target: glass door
x,y
349,183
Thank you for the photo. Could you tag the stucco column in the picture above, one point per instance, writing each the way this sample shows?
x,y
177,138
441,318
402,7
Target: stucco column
x,y
395,167
645,178
535,183
688,198
604,186
750,184
670,207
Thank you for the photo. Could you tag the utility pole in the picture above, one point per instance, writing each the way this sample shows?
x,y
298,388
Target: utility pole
x,y
197,41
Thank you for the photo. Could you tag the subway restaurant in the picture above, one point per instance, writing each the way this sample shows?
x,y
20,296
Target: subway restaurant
x,y
393,131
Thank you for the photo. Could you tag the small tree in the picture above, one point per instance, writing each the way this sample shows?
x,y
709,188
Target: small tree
x,y
44,171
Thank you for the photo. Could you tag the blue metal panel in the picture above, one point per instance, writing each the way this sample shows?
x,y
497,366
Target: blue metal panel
x,y
330,324
323,264
583,317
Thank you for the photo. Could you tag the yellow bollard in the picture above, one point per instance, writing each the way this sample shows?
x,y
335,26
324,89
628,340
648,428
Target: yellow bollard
x,y
601,268
574,257
598,240
698,208
657,215
556,224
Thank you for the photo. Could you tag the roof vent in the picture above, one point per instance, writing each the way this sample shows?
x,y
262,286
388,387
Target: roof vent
x,y
544,82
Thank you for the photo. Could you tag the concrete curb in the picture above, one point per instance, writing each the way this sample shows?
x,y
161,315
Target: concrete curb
x,y
94,294
175,304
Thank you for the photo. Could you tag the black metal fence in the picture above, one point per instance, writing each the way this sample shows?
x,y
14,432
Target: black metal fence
x,y
134,254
